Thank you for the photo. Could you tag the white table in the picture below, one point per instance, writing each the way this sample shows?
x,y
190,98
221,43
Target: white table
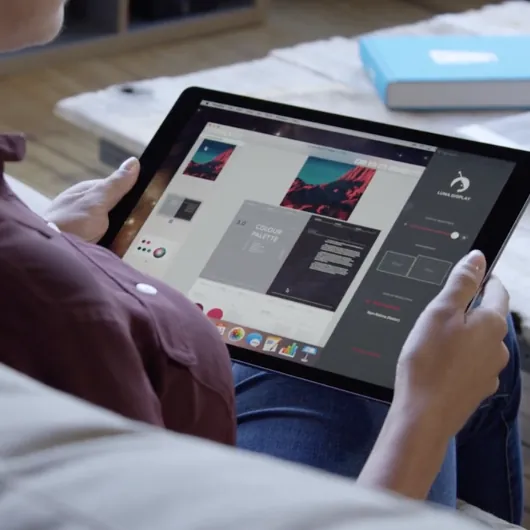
x,y
325,75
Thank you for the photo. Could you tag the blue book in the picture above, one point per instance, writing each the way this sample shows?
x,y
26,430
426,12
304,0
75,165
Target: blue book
x,y
449,72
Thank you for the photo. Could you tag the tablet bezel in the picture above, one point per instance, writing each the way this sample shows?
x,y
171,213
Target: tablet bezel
x,y
491,239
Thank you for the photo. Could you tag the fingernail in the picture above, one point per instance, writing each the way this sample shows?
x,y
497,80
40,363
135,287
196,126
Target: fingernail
x,y
130,164
476,259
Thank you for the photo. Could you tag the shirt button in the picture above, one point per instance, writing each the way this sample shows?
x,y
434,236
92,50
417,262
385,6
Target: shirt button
x,y
145,288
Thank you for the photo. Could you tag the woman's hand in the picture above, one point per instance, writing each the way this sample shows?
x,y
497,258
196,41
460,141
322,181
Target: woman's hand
x,y
83,209
449,364
452,359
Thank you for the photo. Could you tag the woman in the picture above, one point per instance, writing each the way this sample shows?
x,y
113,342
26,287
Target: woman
x,y
77,318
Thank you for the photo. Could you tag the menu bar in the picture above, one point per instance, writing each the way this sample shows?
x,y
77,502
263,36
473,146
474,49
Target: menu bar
x,y
239,136
277,117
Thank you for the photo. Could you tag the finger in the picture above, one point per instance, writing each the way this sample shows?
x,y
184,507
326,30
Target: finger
x,y
117,185
464,281
495,297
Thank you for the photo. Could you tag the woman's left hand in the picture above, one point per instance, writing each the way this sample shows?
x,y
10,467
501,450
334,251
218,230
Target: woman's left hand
x,y
83,209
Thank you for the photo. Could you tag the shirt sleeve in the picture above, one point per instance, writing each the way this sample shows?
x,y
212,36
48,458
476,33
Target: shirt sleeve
x,y
70,317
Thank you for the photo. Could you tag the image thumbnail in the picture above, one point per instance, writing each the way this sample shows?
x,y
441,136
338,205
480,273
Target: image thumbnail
x,y
329,188
209,160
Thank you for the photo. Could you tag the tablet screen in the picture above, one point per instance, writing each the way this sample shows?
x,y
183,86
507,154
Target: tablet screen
x,y
307,242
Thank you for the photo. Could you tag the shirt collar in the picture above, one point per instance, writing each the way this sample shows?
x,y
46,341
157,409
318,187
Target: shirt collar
x,y
13,149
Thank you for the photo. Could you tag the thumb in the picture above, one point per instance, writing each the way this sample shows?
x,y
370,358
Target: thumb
x,y
464,281
117,185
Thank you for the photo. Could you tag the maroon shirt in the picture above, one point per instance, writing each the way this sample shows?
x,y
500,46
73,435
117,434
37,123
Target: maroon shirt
x,y
72,316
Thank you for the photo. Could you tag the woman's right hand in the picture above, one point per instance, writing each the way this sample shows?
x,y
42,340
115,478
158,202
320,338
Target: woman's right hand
x,y
452,359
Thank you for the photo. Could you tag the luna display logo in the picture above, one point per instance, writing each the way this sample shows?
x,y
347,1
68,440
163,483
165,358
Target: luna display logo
x,y
254,339
462,182
236,334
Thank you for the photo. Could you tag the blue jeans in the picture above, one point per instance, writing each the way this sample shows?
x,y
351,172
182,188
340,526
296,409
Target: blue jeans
x,y
335,431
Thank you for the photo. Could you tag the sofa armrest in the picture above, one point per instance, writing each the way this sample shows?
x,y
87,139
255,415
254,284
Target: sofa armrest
x,y
36,201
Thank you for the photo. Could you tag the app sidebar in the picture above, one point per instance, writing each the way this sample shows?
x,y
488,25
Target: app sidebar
x,y
437,227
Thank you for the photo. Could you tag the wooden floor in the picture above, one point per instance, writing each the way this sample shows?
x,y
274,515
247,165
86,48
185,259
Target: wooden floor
x,y
60,155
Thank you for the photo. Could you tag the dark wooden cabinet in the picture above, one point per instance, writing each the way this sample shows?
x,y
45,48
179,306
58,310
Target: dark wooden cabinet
x,y
97,27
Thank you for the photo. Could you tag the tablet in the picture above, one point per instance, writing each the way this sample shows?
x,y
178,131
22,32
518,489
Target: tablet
x,y
312,241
